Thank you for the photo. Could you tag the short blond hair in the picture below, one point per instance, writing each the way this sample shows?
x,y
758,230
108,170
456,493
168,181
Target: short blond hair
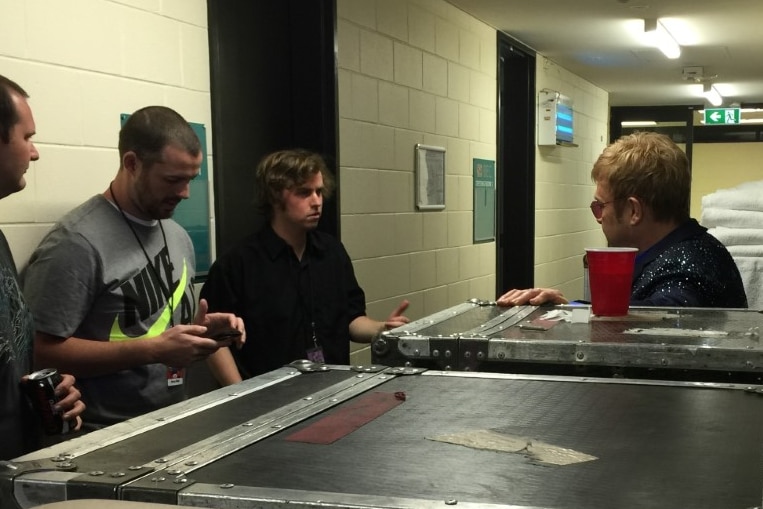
x,y
650,167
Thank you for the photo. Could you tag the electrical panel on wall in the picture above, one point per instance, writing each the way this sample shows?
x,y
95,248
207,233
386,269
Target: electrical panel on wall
x,y
555,119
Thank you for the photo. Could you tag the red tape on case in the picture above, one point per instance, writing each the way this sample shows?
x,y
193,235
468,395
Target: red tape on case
x,y
347,419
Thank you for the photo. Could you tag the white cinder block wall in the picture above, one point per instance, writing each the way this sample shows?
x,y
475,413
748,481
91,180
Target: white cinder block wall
x,y
564,225
84,62
422,71
410,71
413,71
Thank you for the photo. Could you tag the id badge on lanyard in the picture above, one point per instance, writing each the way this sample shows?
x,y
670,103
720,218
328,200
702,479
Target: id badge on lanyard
x,y
315,354
175,376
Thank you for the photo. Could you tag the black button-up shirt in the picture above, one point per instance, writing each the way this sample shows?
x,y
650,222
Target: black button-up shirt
x,y
288,305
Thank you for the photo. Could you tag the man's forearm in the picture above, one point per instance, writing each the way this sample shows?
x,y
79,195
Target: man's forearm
x,y
86,358
364,329
223,367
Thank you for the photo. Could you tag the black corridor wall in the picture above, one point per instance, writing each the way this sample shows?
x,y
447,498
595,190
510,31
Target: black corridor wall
x,y
273,86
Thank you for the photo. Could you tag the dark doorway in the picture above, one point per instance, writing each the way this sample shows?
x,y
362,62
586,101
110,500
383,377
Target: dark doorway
x,y
674,121
273,83
515,175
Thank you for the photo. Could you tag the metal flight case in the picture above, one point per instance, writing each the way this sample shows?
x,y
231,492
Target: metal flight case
x,y
373,437
691,344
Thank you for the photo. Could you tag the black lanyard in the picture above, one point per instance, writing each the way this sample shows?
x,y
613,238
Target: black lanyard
x,y
306,301
167,293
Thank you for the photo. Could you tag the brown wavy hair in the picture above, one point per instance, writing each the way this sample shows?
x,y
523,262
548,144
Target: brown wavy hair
x,y
287,169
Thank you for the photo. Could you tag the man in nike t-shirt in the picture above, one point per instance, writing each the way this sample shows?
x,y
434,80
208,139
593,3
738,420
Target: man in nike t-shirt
x,y
111,286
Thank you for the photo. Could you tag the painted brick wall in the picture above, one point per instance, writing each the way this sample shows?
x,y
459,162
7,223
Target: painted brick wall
x,y
410,71
564,225
84,62
413,71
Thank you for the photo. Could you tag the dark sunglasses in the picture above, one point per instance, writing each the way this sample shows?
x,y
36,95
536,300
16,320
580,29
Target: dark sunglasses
x,y
597,207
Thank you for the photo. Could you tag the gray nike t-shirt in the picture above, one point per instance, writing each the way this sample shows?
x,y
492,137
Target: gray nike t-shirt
x,y
90,278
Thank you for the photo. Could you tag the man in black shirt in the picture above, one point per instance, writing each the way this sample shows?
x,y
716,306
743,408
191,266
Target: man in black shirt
x,y
294,286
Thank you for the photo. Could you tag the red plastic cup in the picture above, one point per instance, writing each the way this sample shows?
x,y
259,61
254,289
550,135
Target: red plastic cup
x,y
610,273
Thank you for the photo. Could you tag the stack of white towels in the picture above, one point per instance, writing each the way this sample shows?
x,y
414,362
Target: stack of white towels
x,y
735,217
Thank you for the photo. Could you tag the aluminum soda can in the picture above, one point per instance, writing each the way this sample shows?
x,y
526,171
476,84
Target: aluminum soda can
x,y
41,390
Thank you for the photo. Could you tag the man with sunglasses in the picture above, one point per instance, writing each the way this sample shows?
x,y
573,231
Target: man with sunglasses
x,y
643,187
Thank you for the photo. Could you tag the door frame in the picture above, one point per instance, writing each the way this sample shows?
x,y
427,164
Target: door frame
x,y
515,168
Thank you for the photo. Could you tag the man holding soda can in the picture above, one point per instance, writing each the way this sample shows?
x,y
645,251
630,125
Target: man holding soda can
x,y
20,428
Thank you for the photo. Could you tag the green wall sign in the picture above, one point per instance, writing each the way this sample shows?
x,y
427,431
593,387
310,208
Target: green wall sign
x,y
721,116
484,200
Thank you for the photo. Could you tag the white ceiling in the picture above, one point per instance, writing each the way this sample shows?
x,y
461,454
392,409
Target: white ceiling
x,y
603,42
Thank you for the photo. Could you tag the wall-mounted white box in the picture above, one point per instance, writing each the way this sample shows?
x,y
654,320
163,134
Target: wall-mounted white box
x,y
555,119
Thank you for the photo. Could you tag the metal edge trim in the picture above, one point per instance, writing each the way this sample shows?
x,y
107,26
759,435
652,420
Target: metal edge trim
x,y
417,325
667,309
589,379
597,353
228,496
137,425
199,454
506,319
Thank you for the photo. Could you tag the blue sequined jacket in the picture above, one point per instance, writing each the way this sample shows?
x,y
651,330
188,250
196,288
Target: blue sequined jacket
x,y
689,267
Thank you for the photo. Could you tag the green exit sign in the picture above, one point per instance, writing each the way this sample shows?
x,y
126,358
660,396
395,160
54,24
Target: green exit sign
x,y
718,116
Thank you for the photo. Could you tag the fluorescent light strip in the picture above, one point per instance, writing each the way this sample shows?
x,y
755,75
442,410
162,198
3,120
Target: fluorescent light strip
x,y
712,95
638,123
661,38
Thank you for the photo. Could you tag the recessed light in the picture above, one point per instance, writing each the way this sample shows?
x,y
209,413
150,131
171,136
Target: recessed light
x,y
638,123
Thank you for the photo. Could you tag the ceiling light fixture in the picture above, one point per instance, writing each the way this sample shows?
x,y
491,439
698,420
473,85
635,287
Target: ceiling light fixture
x,y
661,38
712,95
638,123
